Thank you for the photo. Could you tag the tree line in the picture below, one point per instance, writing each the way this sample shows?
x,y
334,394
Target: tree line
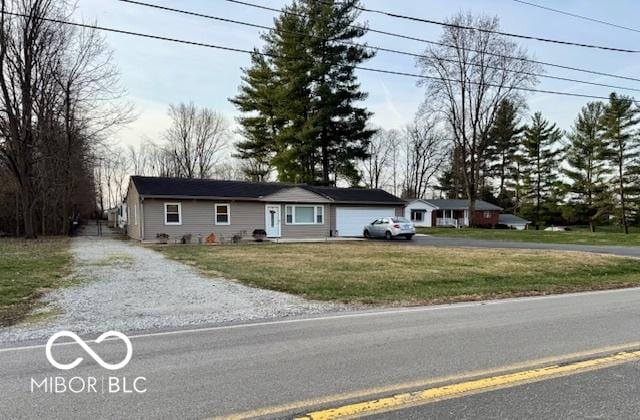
x,y
59,100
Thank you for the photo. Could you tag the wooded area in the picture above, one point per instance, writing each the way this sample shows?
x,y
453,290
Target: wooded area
x,y
59,97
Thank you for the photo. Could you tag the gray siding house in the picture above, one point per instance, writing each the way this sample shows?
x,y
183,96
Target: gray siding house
x,y
178,206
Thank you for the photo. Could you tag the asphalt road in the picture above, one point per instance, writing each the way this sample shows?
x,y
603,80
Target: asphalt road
x,y
329,360
610,393
439,241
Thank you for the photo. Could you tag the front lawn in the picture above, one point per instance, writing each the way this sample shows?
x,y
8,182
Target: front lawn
x,y
386,273
27,268
579,236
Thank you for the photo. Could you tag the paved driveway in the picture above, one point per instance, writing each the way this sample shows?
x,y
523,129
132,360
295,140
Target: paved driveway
x,y
439,241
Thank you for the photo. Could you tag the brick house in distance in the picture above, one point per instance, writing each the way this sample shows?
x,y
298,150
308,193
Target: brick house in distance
x,y
451,213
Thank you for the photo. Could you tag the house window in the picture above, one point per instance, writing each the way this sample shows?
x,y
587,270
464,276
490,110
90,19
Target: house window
x,y
304,215
222,214
487,215
172,213
319,215
417,215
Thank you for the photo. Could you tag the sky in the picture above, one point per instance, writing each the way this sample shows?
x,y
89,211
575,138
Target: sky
x,y
156,73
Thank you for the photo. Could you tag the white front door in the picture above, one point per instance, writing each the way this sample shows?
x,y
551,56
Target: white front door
x,y
273,220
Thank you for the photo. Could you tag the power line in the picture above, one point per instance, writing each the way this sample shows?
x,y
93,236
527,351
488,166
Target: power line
x,y
575,15
250,52
372,47
492,31
426,41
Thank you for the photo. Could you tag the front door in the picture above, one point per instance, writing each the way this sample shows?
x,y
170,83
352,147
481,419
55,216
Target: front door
x,y
272,220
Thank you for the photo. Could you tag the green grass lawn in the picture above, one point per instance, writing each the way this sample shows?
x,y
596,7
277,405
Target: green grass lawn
x,y
27,268
387,274
580,236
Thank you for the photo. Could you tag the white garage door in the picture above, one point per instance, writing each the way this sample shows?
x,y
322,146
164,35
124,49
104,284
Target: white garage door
x,y
350,221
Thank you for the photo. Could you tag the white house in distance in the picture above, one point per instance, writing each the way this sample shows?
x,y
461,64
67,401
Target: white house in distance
x,y
450,213
513,221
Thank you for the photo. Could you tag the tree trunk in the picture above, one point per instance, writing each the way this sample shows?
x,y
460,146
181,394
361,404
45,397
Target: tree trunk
x,y
27,215
622,203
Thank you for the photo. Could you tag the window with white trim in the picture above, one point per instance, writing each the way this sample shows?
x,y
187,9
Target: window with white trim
x,y
417,215
487,215
172,213
223,214
304,215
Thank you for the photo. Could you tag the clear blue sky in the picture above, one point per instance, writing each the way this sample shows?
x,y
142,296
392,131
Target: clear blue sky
x,y
157,73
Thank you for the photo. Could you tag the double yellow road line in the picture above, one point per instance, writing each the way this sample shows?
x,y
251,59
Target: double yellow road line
x,y
455,386
469,387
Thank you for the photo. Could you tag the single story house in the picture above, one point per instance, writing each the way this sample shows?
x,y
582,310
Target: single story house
x,y
450,213
178,206
512,221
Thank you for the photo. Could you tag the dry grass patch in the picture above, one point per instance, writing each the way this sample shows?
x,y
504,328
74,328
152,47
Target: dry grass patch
x,y
27,269
386,273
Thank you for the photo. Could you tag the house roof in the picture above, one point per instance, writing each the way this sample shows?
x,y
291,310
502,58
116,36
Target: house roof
x,y
454,204
512,219
213,188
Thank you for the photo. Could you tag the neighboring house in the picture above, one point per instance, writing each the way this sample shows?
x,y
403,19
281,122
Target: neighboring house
x,y
450,213
513,221
178,206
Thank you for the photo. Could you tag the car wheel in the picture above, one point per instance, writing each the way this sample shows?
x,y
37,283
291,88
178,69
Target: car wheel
x,y
367,234
388,235
409,237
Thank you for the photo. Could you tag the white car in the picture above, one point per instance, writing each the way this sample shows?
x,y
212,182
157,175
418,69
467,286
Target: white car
x,y
389,228
555,229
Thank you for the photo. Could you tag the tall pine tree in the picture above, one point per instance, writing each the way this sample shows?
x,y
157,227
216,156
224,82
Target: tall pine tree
x,y
504,137
259,123
621,122
586,158
321,131
541,153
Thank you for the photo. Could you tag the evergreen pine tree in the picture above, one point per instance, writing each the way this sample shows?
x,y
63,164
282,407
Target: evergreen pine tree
x,y
260,123
586,158
620,122
504,140
541,153
321,132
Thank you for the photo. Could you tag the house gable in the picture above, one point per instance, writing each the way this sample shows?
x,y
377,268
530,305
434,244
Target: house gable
x,y
295,195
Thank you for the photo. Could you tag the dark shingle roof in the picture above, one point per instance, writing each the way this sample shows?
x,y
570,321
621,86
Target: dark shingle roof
x,y
461,204
355,194
183,187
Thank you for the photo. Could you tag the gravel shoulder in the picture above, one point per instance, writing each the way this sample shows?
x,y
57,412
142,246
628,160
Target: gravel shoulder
x,y
125,287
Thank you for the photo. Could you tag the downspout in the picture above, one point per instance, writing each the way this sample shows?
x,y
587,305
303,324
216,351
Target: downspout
x,y
141,219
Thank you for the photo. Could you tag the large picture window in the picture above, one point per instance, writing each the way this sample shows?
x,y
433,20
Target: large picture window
x,y
304,215
222,215
172,213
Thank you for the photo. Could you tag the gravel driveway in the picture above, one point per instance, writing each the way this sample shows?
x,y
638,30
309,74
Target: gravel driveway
x,y
127,287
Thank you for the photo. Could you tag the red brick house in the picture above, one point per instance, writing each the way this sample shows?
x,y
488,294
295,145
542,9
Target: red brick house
x,y
451,213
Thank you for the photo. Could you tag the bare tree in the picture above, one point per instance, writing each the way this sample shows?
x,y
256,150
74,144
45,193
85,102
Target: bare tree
x,y
59,97
426,149
376,167
27,45
195,139
473,72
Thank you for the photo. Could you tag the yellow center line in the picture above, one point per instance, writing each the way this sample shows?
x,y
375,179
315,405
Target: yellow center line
x,y
455,378
464,388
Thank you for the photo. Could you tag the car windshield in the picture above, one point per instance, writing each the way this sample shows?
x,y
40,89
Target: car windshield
x,y
400,220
